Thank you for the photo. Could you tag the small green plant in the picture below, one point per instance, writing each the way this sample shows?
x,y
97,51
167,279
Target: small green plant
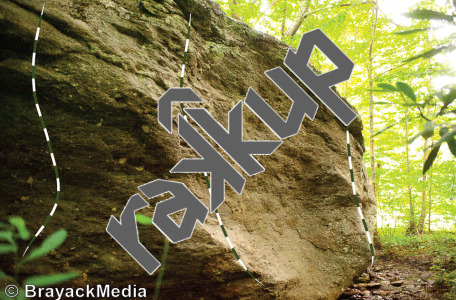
x,y
10,236
440,247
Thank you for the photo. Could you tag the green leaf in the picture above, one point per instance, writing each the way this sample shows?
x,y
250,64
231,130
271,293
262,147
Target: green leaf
x,y
430,159
6,235
413,104
451,141
428,130
19,223
387,87
376,90
406,89
2,275
382,102
412,31
20,295
143,219
448,98
452,145
52,242
433,52
48,280
6,248
443,130
446,137
427,14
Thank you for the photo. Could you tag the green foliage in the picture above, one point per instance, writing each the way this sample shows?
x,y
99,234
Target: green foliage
x,y
427,14
143,219
52,242
440,247
440,244
13,233
48,280
405,67
428,128
19,223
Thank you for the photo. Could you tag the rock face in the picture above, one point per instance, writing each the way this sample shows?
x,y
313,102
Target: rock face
x,y
101,67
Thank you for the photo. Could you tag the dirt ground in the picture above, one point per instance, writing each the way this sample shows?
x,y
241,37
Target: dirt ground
x,y
398,278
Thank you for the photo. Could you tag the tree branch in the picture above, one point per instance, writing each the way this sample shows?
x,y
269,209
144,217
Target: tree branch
x,y
298,22
339,5
304,14
270,6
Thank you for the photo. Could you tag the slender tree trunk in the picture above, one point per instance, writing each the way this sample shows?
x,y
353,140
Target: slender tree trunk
x,y
411,227
423,196
374,5
423,204
430,202
371,102
284,20
298,21
270,6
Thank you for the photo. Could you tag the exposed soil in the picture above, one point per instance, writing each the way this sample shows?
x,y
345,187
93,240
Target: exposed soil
x,y
395,277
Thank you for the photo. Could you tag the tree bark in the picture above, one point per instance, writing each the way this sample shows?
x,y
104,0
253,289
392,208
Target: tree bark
x,y
298,21
270,6
284,19
423,196
411,227
371,102
430,202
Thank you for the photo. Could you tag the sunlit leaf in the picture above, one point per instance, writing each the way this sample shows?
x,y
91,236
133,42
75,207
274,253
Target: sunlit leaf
x,y
143,219
430,159
427,14
19,223
52,242
433,52
428,130
406,89
412,104
452,145
48,280
387,87
443,130
382,102
412,31
6,248
449,97
6,235
2,275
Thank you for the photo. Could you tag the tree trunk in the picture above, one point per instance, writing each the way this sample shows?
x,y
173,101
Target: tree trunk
x,y
298,21
371,102
423,204
270,6
423,198
411,227
430,202
284,19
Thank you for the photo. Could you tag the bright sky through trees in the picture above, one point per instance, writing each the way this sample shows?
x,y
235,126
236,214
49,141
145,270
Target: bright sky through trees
x,y
384,55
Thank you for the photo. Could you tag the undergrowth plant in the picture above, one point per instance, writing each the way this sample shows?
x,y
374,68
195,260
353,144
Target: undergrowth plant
x,y
10,236
440,246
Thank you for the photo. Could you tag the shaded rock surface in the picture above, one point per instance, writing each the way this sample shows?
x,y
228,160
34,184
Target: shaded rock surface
x,y
101,67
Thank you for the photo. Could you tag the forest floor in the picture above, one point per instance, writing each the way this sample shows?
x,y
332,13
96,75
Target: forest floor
x,y
410,267
399,278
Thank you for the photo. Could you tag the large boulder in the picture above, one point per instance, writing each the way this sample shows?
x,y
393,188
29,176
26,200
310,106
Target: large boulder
x,y
101,67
